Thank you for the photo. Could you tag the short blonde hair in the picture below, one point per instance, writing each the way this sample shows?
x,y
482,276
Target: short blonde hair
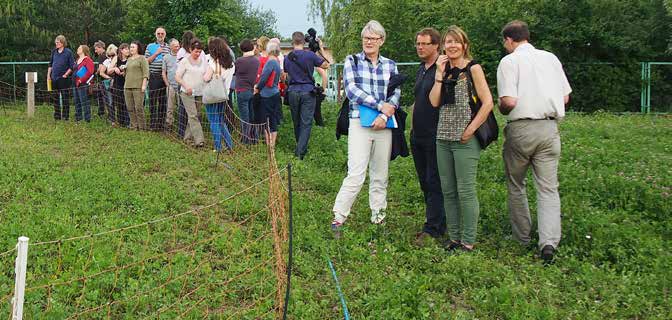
x,y
374,27
262,42
111,50
458,34
61,38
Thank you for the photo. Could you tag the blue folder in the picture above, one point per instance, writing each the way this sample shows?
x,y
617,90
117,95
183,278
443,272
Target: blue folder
x,y
81,72
368,115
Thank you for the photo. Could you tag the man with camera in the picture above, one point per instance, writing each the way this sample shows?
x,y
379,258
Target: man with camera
x,y
302,92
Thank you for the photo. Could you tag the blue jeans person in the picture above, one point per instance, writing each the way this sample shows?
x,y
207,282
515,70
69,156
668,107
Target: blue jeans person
x,y
107,97
181,118
218,126
82,104
303,110
246,114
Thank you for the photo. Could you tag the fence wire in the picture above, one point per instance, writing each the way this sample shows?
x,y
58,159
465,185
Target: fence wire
x,y
224,260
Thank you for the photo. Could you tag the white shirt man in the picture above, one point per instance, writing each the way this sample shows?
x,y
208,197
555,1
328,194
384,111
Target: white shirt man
x,y
541,93
533,91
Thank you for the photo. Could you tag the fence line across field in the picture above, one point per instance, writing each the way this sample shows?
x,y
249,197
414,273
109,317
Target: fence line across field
x,y
334,90
275,209
235,132
22,252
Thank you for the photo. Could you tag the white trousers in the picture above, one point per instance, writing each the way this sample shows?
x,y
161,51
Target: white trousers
x,y
366,148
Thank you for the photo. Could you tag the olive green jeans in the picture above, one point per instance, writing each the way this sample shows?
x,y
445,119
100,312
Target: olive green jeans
x,y
458,164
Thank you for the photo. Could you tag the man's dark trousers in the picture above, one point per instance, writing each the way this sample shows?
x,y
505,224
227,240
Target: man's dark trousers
x,y
157,102
424,156
62,86
302,105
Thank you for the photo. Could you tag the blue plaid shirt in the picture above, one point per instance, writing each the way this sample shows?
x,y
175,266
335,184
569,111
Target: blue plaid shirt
x,y
368,84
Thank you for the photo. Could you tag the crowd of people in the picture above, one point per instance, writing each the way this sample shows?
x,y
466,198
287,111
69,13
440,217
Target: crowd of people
x,y
178,81
452,104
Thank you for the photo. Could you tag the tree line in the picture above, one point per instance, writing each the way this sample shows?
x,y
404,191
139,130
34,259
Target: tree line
x,y
600,42
28,28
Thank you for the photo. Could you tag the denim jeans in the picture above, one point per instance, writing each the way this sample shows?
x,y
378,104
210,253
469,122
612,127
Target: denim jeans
x,y
215,113
246,114
302,105
120,112
181,118
82,104
106,86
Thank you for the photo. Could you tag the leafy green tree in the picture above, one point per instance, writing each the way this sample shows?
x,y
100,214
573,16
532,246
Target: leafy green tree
x,y
18,30
668,6
583,33
234,19
28,28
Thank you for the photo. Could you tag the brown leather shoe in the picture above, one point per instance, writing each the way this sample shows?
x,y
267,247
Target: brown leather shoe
x,y
421,238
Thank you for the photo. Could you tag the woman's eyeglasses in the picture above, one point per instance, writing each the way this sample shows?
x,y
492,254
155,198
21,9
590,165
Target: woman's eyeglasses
x,y
370,39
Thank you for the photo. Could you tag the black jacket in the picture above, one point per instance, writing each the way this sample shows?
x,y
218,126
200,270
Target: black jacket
x,y
399,145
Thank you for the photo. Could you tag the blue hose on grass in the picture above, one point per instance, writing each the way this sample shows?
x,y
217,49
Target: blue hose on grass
x,y
338,287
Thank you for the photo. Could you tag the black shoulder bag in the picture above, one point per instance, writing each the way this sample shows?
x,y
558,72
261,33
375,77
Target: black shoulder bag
x,y
489,130
343,120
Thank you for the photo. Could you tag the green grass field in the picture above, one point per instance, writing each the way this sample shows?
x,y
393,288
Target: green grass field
x,y
59,180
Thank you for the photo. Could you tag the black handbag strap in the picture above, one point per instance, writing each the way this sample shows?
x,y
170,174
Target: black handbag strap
x,y
471,86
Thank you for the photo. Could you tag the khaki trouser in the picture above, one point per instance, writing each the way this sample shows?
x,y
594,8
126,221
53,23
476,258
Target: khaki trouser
x,y
172,94
194,130
135,99
534,143
366,148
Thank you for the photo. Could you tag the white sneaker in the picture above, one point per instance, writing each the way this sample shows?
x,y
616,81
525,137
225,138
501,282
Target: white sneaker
x,y
378,217
339,218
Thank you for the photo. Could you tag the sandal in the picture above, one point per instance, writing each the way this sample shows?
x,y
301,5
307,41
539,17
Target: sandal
x,y
452,246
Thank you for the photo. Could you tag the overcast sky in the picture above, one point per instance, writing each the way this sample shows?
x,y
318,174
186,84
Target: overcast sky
x,y
292,15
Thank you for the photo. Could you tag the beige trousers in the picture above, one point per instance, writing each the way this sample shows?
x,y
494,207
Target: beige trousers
x,y
135,105
194,130
367,148
173,97
535,144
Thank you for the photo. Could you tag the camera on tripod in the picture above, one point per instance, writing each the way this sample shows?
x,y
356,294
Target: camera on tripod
x,y
312,40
